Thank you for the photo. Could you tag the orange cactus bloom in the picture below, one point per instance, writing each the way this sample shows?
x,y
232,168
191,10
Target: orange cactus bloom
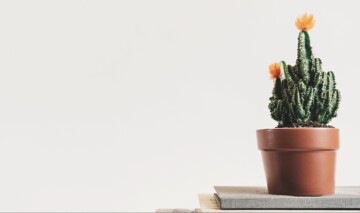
x,y
275,71
305,22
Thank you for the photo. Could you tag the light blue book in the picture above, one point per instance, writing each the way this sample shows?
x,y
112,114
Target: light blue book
x,y
237,197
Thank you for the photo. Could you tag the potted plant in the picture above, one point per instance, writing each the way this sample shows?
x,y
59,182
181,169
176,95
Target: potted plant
x,y
299,155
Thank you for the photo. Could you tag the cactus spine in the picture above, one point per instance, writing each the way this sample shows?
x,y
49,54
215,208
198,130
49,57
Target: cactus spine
x,y
304,95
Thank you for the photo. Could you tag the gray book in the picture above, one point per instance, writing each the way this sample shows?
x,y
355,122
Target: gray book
x,y
237,197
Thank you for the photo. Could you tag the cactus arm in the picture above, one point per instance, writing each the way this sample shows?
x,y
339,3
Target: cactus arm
x,y
277,89
310,99
299,107
331,80
302,87
334,105
292,114
303,67
304,47
324,85
276,108
327,107
337,99
291,74
317,79
315,69
304,55
318,64
284,73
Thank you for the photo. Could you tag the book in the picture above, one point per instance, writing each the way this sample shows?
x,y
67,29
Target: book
x,y
176,211
209,204
237,197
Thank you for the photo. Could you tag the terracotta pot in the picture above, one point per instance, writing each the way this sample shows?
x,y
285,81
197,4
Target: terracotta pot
x,y
299,161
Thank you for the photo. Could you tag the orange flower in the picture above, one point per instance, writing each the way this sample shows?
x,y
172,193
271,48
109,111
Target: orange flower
x,y
305,23
274,70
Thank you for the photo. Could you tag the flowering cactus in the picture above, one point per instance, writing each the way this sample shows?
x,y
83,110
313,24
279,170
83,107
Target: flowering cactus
x,y
303,95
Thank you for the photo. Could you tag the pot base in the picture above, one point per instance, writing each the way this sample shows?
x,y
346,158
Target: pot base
x,y
300,173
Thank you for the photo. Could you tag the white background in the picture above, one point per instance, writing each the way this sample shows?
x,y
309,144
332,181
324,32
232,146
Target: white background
x,y
138,105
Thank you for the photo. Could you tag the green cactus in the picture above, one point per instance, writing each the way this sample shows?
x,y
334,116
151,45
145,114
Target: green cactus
x,y
304,95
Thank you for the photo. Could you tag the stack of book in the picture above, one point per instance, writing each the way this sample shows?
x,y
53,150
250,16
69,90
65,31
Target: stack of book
x,y
227,199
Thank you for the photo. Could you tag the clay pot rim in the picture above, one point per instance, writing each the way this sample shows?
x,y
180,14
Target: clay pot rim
x,y
298,139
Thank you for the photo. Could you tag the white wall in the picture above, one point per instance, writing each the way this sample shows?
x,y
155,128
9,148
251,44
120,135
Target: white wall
x,y
138,105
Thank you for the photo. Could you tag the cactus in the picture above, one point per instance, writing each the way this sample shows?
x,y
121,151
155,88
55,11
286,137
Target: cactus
x,y
303,95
